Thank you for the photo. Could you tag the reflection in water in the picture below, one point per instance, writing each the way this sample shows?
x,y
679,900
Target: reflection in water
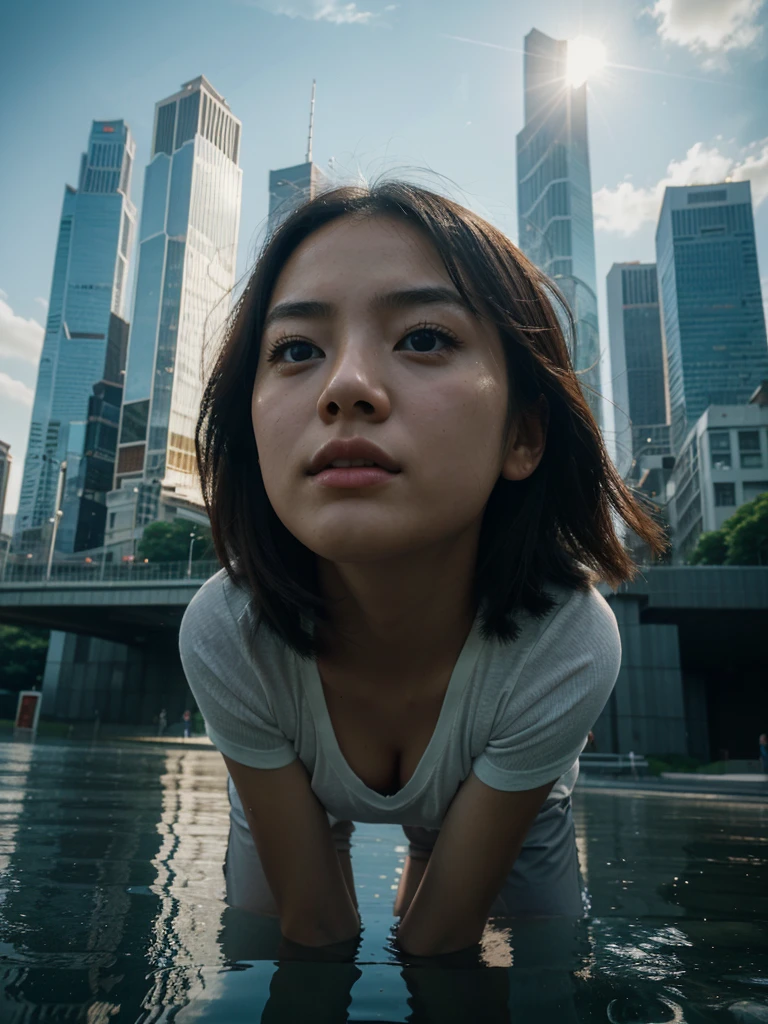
x,y
111,908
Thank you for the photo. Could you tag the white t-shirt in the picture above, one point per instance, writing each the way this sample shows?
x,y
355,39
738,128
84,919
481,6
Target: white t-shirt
x,y
516,714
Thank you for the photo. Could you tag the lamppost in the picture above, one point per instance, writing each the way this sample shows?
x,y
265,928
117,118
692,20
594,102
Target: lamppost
x,y
56,518
193,537
135,490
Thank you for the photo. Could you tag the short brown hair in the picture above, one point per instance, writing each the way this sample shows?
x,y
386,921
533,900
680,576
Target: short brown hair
x,y
554,527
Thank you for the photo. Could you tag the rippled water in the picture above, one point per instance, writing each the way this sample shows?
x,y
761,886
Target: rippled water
x,y
111,910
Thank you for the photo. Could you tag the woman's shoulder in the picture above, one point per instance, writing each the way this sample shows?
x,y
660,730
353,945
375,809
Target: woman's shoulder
x,y
582,617
216,612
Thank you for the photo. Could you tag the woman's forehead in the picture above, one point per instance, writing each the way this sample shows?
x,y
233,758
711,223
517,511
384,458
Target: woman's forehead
x,y
362,247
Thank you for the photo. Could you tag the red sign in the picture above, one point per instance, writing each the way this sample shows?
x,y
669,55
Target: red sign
x,y
26,709
107,128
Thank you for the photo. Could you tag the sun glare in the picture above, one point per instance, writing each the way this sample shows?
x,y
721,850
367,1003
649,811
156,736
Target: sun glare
x,y
586,59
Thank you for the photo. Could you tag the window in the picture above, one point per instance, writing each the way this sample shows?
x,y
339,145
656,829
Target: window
x,y
112,520
720,449
725,494
752,488
749,449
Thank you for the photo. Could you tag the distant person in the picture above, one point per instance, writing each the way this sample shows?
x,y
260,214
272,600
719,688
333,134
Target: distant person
x,y
405,534
162,722
764,751
187,720
591,747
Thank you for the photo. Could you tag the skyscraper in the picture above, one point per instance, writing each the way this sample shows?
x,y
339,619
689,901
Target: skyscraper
x,y
188,234
554,195
711,303
637,363
289,187
86,308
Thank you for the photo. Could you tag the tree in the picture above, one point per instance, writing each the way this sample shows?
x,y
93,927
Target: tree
x,y
712,549
741,540
22,657
748,538
169,542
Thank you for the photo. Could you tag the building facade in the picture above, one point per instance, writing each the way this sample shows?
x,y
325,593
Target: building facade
x,y
554,197
6,460
289,187
188,235
711,302
86,308
722,464
637,364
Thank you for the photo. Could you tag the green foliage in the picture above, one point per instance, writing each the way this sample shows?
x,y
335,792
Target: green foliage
x,y
748,537
714,768
712,549
22,657
741,540
169,542
658,763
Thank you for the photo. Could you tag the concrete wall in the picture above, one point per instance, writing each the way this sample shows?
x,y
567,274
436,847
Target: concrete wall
x,y
125,684
646,712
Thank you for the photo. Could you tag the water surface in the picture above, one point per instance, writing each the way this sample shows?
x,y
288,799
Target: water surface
x,y
111,909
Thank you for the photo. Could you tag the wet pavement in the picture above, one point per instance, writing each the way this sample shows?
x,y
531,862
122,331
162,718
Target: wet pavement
x,y
111,909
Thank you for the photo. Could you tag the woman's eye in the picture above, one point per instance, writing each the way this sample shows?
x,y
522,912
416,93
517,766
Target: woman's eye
x,y
428,335
284,346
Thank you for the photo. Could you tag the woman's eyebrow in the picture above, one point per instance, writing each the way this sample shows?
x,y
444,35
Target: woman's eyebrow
x,y
311,309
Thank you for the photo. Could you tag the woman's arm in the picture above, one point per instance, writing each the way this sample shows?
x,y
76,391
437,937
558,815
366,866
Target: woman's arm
x,y
294,842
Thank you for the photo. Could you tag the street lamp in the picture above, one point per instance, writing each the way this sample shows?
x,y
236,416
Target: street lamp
x,y
193,537
56,518
135,517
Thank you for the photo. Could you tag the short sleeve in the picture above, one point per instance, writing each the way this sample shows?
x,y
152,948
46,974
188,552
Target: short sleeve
x,y
542,727
225,684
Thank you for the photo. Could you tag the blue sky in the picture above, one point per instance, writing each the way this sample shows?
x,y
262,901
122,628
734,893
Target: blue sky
x,y
419,84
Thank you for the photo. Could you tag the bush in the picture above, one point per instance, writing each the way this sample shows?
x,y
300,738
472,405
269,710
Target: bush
x,y
714,768
658,763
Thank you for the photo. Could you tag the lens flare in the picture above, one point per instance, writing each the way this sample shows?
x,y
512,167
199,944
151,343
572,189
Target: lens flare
x,y
586,59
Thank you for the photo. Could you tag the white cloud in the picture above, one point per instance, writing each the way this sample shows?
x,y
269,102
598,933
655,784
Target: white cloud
x,y
335,11
19,338
42,302
626,208
12,390
707,25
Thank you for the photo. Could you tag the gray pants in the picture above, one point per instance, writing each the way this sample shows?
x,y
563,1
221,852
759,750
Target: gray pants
x,y
545,879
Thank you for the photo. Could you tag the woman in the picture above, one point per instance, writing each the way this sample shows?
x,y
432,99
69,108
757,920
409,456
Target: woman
x,y
418,641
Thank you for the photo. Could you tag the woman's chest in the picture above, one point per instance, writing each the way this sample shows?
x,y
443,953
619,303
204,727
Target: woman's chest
x,y
384,737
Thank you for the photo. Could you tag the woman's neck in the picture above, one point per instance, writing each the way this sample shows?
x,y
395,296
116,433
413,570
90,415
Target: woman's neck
x,y
399,619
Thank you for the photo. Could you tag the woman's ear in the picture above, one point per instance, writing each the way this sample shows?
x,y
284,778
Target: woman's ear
x,y
527,443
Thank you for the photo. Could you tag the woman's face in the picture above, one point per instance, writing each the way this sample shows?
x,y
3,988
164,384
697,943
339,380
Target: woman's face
x,y
387,372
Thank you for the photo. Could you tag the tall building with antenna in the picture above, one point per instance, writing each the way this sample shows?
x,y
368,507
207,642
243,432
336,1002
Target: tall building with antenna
x,y
188,233
554,196
291,186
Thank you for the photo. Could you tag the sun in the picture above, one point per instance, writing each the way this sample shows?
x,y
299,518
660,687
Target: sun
x,y
586,59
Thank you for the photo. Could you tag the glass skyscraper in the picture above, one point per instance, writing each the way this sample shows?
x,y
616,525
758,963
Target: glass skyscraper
x,y
188,235
711,302
86,310
554,196
289,187
637,363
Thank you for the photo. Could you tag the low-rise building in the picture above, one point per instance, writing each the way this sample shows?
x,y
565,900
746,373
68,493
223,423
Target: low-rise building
x,y
722,464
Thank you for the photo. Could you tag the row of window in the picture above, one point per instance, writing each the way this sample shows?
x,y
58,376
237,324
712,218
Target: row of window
x,y
750,456
725,494
639,286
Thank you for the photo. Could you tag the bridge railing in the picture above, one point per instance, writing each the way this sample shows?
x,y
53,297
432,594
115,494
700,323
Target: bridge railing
x,y
108,572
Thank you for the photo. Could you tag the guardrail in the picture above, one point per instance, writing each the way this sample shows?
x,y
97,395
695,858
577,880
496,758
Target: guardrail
x,y
614,764
108,572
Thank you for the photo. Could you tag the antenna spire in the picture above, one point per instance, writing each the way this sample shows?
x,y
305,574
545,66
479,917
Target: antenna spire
x,y
311,123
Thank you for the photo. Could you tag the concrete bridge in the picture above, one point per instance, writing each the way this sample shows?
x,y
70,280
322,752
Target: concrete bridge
x,y
692,679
